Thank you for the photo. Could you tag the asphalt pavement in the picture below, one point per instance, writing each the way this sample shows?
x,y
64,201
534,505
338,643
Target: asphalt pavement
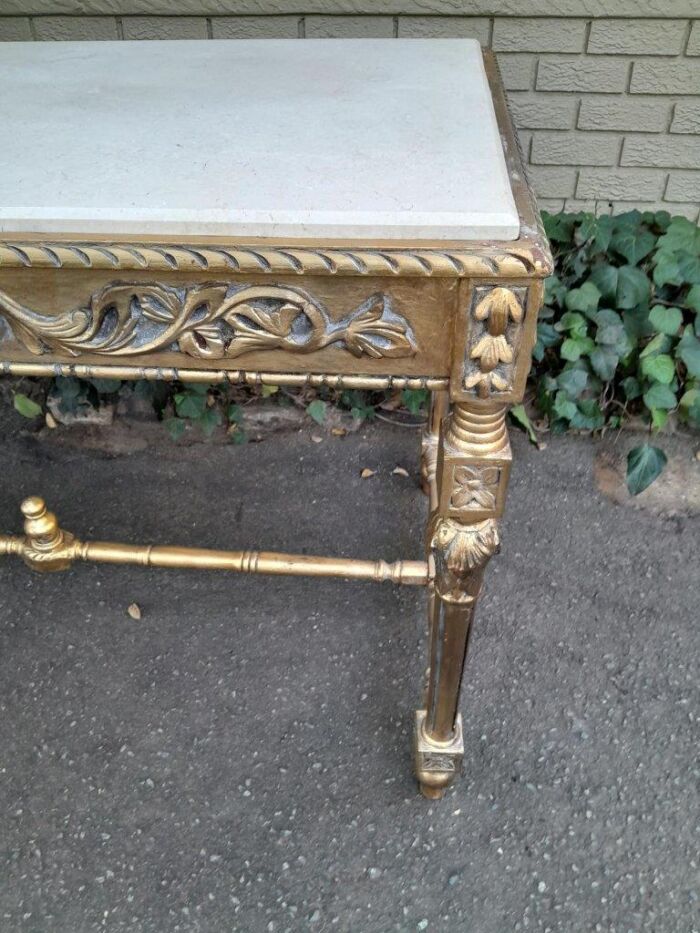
x,y
239,758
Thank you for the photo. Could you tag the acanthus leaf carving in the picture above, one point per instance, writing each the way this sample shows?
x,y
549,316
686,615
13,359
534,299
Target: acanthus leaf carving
x,y
209,321
461,551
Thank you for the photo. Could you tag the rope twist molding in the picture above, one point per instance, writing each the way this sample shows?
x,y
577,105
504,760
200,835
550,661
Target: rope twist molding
x,y
530,258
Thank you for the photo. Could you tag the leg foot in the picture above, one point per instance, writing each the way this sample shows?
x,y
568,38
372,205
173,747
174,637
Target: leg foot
x,y
437,763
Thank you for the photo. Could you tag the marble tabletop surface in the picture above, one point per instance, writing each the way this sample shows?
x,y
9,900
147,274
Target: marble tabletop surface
x,y
329,138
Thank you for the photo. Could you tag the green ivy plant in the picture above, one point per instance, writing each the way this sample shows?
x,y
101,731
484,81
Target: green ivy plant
x,y
617,339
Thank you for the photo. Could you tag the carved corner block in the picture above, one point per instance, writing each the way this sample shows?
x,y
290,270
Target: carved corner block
x,y
474,460
496,330
473,490
437,764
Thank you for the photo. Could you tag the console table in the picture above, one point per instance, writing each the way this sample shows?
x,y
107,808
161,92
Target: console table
x,y
347,213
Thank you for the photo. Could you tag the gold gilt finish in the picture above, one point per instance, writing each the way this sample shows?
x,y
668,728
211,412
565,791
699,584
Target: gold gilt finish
x,y
458,319
46,547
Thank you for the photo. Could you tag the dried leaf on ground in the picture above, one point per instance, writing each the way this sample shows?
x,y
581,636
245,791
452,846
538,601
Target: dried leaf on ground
x,y
399,471
134,611
366,473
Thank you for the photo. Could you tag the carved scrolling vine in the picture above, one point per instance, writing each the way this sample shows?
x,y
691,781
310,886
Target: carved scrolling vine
x,y
209,321
497,319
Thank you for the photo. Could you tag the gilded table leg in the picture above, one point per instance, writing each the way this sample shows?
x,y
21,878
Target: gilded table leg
x,y
473,464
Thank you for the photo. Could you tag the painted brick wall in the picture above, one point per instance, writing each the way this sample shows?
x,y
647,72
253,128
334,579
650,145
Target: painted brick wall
x,y
607,106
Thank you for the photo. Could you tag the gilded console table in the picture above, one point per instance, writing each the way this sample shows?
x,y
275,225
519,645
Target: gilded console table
x,y
343,213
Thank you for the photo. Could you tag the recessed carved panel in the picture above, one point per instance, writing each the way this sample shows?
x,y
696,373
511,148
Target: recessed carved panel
x,y
475,488
209,321
495,329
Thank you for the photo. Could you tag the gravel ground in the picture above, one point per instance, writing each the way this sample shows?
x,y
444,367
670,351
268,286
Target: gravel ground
x,y
239,758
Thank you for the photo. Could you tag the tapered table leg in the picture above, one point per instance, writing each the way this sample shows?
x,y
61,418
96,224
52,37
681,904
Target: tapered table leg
x,y
472,472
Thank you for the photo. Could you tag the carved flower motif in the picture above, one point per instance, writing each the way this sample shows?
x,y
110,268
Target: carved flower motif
x,y
474,488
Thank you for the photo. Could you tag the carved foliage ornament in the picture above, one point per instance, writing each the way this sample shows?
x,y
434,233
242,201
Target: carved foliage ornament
x,y
497,318
209,321
461,552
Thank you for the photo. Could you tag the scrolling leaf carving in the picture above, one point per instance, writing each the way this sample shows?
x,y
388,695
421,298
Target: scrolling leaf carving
x,y
209,321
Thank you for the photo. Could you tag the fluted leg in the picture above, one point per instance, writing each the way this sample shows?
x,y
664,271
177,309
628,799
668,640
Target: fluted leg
x,y
439,407
473,463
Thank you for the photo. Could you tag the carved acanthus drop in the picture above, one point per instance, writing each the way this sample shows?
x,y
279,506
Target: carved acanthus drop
x,y
461,552
498,314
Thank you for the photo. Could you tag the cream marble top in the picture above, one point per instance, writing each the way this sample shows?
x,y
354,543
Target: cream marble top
x,y
326,138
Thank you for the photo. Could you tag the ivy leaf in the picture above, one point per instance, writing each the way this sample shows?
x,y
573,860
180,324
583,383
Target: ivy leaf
x,y
659,367
554,290
605,278
631,388
106,386
632,287
660,396
666,320
573,381
574,347
564,407
25,406
190,404
692,299
689,351
209,421
583,299
637,324
633,244
416,400
660,344
547,336
589,417
317,410
689,268
234,413
611,330
644,465
659,417
604,363
666,270
604,233
681,234
574,323
693,410
519,415
175,427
